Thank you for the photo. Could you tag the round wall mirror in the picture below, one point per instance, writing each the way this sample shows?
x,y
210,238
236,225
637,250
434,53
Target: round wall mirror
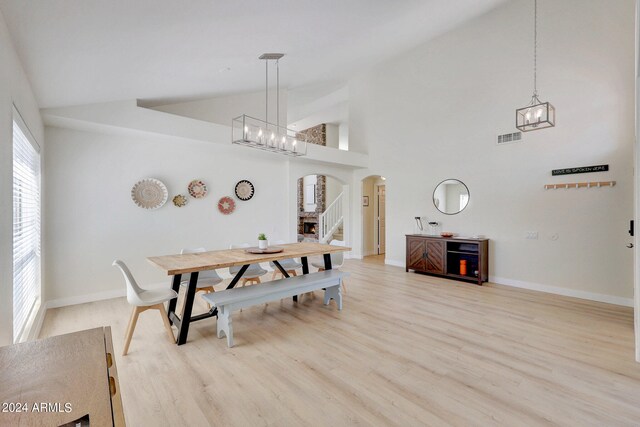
x,y
451,196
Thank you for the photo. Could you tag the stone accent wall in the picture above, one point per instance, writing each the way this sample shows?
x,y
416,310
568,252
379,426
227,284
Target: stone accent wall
x,y
315,135
321,202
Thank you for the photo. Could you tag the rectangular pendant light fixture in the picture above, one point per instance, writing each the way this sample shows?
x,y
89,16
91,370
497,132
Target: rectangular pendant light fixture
x,y
263,135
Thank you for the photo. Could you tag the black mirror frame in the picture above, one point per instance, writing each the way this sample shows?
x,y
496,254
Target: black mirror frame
x,y
433,196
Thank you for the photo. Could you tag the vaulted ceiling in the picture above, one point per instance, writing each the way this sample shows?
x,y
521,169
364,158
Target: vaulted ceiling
x,y
89,51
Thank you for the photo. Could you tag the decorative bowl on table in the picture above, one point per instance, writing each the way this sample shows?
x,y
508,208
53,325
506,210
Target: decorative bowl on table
x,y
446,234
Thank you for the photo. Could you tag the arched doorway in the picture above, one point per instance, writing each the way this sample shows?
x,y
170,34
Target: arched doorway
x,y
321,208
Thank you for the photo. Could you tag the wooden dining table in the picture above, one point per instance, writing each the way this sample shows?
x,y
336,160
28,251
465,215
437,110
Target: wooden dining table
x,y
192,264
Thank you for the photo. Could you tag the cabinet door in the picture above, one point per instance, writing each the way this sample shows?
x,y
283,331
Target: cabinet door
x,y
416,248
435,256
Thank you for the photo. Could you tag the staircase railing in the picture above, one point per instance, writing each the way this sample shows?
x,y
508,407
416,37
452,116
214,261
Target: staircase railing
x,y
331,219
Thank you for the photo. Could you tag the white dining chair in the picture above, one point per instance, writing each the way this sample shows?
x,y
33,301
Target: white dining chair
x,y
290,265
252,274
206,279
142,300
337,260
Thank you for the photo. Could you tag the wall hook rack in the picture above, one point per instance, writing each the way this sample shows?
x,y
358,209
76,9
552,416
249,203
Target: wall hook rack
x,y
580,185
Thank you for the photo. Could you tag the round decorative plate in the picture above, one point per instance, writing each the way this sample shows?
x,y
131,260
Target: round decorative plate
x,y
226,205
197,189
149,193
179,200
244,190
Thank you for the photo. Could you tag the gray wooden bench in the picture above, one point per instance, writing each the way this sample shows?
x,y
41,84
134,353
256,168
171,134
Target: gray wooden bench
x,y
230,300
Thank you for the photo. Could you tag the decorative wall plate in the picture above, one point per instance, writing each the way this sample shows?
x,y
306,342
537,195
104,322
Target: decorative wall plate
x,y
180,200
244,190
197,189
149,193
226,205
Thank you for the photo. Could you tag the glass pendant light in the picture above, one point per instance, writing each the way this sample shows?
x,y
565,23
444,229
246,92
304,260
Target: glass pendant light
x,y
537,115
263,135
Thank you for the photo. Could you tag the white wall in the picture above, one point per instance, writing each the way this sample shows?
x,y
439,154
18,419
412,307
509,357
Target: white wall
x,y
307,181
333,189
434,113
343,136
14,89
332,135
92,220
223,109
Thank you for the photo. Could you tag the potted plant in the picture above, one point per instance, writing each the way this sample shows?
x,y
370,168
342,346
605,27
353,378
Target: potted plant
x,y
263,243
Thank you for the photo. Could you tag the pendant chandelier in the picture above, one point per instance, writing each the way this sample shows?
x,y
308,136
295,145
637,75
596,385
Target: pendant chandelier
x,y
537,115
263,135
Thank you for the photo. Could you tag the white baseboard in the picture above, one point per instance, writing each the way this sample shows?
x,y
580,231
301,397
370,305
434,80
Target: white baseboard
x,y
34,333
81,299
575,293
98,296
394,262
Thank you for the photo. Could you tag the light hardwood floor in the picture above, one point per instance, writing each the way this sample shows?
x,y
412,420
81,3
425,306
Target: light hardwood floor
x,y
406,350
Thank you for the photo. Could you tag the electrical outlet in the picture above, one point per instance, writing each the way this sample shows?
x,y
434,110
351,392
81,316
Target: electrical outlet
x,y
531,235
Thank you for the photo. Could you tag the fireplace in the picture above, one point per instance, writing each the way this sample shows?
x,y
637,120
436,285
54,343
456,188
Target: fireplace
x,y
309,228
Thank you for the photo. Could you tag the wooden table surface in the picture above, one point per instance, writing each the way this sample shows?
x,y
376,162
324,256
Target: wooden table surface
x,y
188,263
66,373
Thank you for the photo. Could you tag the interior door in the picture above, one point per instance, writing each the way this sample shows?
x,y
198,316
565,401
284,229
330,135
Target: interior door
x,y
381,220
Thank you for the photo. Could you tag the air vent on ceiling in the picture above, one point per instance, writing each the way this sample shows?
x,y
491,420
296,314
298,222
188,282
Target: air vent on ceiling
x,y
508,138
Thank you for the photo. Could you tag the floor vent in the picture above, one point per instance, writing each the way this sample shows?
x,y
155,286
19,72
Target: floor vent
x,y
508,138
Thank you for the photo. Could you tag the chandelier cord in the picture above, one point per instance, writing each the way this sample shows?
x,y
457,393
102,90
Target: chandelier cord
x,y
266,91
535,48
278,93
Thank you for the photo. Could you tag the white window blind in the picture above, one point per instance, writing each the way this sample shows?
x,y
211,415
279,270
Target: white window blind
x,y
26,229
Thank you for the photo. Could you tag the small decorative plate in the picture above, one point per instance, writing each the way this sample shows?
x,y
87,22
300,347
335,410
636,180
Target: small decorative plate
x,y
180,200
197,189
149,193
244,190
226,205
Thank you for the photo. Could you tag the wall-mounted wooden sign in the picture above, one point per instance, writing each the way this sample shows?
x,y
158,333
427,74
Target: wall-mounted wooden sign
x,y
583,169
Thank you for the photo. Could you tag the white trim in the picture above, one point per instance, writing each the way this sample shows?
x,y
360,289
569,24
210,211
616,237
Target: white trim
x,y
394,262
636,192
17,117
575,293
81,299
98,296
34,332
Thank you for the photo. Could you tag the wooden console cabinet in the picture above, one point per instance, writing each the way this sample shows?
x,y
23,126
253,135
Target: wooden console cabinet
x,y
442,255
59,381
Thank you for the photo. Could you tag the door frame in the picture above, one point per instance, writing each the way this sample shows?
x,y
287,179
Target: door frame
x,y
636,191
377,237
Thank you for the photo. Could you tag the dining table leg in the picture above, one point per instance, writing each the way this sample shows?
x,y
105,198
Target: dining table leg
x,y
327,261
175,285
238,276
305,270
183,330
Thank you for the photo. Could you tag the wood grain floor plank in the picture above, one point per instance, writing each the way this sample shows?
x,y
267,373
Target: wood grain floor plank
x,y
407,350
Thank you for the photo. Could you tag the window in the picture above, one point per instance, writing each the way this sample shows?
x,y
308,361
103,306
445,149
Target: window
x,y
26,228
